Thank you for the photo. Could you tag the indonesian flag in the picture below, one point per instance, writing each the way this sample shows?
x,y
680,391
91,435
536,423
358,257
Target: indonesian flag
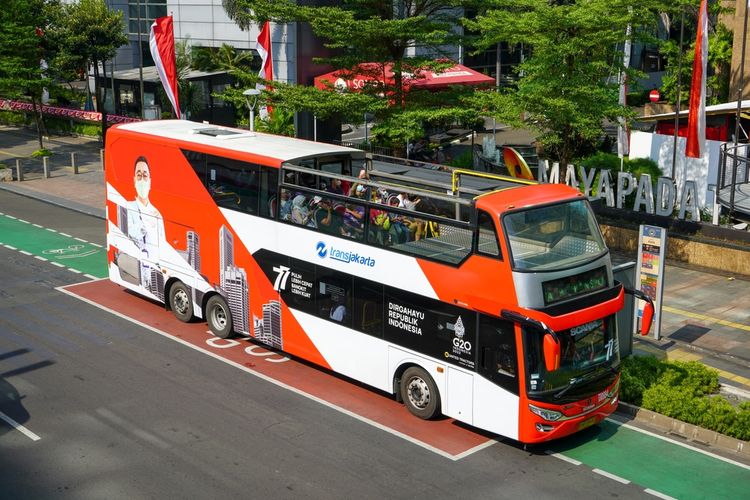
x,y
263,46
696,133
161,42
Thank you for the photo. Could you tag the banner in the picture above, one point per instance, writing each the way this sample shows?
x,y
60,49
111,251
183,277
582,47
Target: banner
x,y
263,46
161,42
696,133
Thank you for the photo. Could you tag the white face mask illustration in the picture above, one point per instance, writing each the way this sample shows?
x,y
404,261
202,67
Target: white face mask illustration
x,y
142,187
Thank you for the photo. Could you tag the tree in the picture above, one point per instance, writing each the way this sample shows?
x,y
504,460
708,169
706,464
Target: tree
x,y
719,54
87,34
380,32
569,82
23,24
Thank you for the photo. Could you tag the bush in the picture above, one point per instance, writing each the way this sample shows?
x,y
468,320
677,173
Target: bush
x,y
685,391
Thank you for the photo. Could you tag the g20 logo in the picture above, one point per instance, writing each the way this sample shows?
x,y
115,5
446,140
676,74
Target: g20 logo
x,y
464,345
321,249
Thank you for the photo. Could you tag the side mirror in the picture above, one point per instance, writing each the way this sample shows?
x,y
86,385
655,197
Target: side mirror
x,y
551,353
647,317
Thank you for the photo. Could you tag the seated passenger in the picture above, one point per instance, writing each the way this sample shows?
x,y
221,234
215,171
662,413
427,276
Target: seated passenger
x,y
300,213
285,207
327,219
353,221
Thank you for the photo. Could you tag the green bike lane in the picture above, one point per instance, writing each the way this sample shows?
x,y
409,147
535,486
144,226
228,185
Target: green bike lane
x,y
663,467
60,249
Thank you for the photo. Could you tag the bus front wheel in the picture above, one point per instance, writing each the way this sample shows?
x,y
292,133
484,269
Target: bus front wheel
x,y
219,317
419,393
180,302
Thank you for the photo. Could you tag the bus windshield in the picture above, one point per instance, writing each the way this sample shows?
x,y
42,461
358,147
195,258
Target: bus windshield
x,y
553,236
589,353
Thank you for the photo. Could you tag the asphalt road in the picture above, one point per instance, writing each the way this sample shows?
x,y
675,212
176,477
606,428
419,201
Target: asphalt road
x,y
111,410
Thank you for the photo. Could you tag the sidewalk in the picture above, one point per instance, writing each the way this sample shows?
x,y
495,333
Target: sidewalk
x,y
705,316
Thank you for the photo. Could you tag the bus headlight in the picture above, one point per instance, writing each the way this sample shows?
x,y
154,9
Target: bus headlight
x,y
549,415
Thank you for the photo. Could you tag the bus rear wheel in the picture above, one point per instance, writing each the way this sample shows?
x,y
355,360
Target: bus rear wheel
x,y
180,302
419,393
219,317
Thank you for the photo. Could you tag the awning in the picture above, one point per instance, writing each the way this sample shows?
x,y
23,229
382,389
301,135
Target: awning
x,y
373,74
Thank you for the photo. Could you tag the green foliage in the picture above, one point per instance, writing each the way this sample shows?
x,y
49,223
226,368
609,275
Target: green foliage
x,y
719,55
14,118
279,122
685,391
567,86
464,160
39,153
611,162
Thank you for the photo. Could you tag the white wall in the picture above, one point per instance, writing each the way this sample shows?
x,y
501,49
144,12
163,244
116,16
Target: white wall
x,y
704,171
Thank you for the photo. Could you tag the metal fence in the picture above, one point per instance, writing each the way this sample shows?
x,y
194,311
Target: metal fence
x,y
733,172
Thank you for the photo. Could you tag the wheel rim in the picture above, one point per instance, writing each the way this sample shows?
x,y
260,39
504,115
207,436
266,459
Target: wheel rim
x,y
418,393
219,317
181,302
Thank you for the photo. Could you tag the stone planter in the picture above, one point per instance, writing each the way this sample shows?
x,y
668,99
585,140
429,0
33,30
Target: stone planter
x,y
6,175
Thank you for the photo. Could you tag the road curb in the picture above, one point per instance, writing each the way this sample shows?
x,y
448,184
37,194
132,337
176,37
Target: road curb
x,y
688,432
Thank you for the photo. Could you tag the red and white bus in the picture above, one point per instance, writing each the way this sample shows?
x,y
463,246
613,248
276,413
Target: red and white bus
x,y
492,301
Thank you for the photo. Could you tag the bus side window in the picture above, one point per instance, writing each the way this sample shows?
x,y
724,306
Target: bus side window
x,y
487,236
334,296
497,350
268,203
367,302
198,162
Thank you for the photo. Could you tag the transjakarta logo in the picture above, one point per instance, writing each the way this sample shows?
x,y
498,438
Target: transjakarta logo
x,y
343,256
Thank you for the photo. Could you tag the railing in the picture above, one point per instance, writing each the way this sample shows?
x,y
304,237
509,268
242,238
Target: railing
x,y
365,146
733,171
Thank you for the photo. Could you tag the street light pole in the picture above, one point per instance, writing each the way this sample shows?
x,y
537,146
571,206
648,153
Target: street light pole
x,y
251,97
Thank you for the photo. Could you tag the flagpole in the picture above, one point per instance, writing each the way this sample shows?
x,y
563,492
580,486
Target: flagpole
x,y
140,63
741,83
679,85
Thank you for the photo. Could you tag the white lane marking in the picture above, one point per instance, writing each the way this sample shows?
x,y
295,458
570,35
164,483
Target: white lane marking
x,y
96,244
74,270
25,252
658,494
24,221
90,276
20,428
563,457
11,217
50,229
65,234
56,263
261,376
40,258
678,443
611,476
80,239
38,225
10,247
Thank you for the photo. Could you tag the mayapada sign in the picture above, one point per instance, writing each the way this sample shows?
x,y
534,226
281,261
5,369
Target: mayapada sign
x,y
613,190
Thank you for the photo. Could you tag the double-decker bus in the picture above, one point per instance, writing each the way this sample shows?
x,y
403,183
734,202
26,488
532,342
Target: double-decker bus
x,y
487,299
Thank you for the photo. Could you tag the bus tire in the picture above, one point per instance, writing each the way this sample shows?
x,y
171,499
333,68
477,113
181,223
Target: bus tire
x,y
180,302
219,317
419,393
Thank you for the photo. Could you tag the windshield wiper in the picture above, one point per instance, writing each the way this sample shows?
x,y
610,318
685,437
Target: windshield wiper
x,y
586,377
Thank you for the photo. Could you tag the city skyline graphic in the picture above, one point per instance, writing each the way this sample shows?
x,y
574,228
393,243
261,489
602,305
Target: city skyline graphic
x,y
268,328
232,282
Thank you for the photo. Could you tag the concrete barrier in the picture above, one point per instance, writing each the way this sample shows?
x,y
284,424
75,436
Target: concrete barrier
x,y
685,431
726,258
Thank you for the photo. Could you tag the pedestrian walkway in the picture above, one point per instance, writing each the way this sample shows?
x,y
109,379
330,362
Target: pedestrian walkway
x,y
705,315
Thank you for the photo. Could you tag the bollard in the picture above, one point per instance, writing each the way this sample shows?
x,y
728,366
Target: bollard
x,y
73,162
45,165
19,170
101,157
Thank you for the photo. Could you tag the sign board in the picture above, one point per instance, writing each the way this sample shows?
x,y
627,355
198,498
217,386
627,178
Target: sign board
x,y
652,248
654,95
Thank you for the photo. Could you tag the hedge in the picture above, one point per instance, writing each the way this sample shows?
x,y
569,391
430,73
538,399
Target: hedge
x,y
685,391
53,124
